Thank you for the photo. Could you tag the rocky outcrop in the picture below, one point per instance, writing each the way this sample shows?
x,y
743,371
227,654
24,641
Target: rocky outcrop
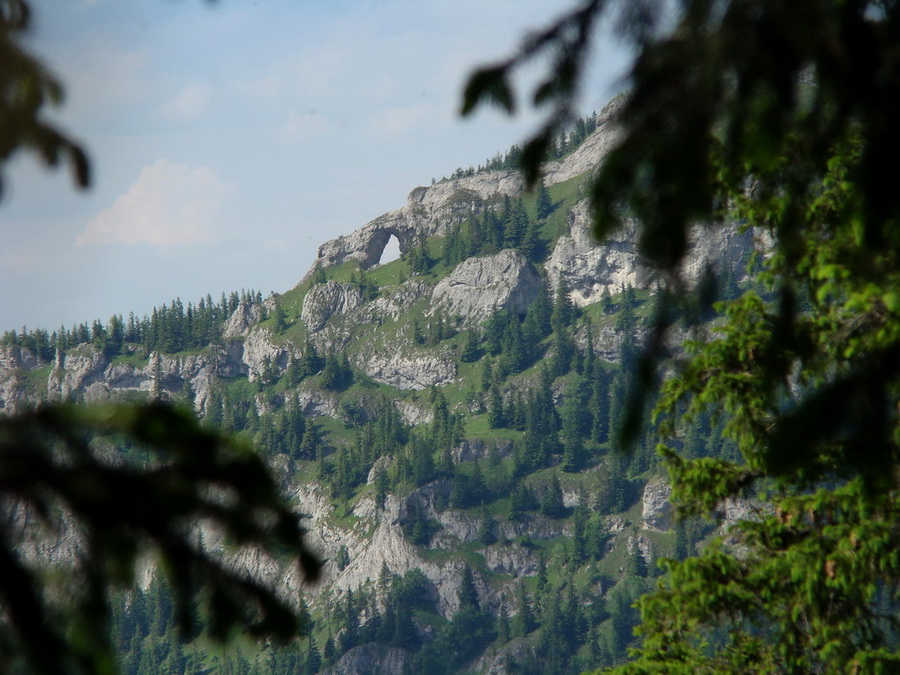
x,y
477,287
372,659
15,363
588,269
325,300
408,371
76,374
315,402
15,357
591,152
262,357
591,268
241,320
508,659
657,510
428,211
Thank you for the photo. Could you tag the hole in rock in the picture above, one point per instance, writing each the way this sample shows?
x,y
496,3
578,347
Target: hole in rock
x,y
391,251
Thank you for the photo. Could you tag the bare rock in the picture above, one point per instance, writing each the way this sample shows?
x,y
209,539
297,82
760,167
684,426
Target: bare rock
x,y
15,357
428,211
372,659
431,210
480,286
591,268
657,509
325,300
409,371
82,367
241,320
262,356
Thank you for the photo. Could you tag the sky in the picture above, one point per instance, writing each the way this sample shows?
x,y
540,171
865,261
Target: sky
x,y
228,140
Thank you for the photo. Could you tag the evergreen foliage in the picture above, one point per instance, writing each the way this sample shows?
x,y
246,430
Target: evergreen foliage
x,y
171,328
804,375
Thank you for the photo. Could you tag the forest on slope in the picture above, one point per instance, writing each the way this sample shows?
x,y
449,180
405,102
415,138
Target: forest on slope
x,y
522,529
798,374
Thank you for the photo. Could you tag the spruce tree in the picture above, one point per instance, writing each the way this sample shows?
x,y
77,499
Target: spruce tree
x,y
467,595
312,663
523,622
543,203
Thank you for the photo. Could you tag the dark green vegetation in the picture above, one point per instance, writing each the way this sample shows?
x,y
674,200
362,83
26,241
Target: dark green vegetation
x,y
170,328
541,484
790,127
109,486
800,377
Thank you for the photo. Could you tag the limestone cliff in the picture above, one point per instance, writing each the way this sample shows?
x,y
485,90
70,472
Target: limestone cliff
x,y
406,335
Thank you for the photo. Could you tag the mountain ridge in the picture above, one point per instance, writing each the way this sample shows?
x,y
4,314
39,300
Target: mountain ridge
x,y
433,373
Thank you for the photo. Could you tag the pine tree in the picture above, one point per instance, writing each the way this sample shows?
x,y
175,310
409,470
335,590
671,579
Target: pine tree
x,y
329,652
523,621
580,540
311,445
350,635
470,351
503,627
486,530
467,595
575,424
280,319
563,309
552,501
312,663
516,225
496,409
543,203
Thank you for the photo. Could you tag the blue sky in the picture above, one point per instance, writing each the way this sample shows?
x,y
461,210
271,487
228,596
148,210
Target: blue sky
x,y
230,139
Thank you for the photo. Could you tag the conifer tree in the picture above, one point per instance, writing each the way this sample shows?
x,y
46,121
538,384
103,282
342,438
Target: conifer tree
x,y
563,310
552,501
496,408
580,539
470,351
503,627
467,595
312,663
543,204
523,621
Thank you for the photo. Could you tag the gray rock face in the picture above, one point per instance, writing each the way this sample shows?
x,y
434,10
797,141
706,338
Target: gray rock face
x,y
406,371
594,148
325,300
241,320
87,373
77,373
657,509
14,362
591,268
13,357
372,659
507,659
262,356
479,286
427,212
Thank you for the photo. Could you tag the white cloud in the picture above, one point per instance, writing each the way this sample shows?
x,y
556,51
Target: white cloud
x,y
169,204
190,103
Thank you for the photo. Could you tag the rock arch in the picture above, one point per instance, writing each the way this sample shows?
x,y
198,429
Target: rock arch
x,y
378,240
367,244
